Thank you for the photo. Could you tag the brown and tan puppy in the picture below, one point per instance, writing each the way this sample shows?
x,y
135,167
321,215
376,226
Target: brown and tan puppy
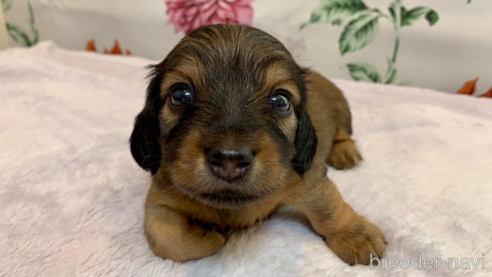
x,y
232,129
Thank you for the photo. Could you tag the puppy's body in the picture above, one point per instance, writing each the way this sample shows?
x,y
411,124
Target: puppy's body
x,y
189,214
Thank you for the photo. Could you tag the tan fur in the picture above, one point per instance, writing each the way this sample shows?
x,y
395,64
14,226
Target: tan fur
x,y
181,227
288,126
277,77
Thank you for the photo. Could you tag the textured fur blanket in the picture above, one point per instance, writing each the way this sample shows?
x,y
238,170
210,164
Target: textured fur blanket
x,y
71,197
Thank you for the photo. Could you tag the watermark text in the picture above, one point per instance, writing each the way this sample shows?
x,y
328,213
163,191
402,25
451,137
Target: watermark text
x,y
463,263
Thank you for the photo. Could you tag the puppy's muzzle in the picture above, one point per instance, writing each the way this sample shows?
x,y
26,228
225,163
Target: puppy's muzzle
x,y
229,164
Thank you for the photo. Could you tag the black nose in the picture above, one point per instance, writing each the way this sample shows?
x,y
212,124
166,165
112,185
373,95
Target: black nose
x,y
229,165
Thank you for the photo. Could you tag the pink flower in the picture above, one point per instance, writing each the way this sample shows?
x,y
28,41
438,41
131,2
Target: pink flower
x,y
187,15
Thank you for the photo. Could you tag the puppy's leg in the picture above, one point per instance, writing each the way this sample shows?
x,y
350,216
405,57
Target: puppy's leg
x,y
171,236
346,233
344,153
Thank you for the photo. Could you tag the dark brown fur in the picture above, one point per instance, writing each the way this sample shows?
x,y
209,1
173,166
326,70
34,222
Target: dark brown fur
x,y
233,70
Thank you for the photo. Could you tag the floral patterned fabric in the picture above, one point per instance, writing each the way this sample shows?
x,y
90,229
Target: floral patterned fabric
x,y
440,44
187,15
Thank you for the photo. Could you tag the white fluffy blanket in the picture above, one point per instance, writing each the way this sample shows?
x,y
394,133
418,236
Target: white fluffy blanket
x,y
71,196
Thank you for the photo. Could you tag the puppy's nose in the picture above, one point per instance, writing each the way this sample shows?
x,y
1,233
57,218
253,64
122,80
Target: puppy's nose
x,y
229,165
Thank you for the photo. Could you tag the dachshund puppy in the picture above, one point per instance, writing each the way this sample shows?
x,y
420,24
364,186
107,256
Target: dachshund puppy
x,y
233,128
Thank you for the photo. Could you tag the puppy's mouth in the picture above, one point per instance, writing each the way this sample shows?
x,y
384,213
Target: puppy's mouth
x,y
228,198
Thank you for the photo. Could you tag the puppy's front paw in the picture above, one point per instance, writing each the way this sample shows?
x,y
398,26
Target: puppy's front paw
x,y
355,245
182,243
344,155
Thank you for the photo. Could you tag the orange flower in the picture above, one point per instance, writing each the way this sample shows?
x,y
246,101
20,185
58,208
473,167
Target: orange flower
x,y
487,94
116,50
91,46
470,86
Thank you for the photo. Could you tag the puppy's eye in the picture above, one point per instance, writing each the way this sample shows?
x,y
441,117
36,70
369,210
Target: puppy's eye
x,y
280,102
181,95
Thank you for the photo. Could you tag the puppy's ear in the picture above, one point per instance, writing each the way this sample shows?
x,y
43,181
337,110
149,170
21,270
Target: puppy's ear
x,y
144,140
305,143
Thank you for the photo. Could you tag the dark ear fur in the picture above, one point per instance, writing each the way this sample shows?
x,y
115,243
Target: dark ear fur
x,y
144,140
305,143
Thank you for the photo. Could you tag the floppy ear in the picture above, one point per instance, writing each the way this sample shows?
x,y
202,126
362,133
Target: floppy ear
x,y
144,140
305,143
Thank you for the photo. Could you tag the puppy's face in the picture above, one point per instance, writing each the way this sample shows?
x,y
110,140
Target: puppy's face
x,y
225,117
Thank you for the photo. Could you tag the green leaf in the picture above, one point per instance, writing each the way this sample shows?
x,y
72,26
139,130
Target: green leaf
x,y
392,11
32,24
405,83
359,33
394,7
432,17
390,72
363,72
469,1
18,34
336,12
304,25
7,4
415,14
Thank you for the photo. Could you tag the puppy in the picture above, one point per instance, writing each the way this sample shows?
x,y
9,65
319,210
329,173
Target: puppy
x,y
233,128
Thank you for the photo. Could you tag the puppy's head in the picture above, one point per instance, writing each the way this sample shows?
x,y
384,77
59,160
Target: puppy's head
x,y
225,117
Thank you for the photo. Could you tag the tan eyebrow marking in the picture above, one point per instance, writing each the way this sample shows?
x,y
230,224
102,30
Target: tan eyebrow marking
x,y
187,70
277,77
171,79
